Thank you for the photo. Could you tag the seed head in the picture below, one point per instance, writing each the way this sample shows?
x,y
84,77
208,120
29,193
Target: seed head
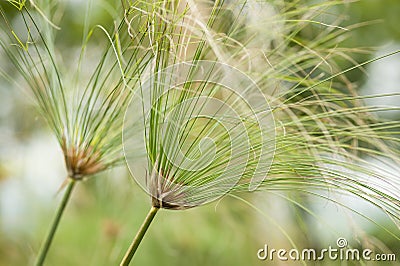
x,y
81,160
166,192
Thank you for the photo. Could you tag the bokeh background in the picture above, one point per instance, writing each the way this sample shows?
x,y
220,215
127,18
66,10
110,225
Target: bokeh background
x,y
106,210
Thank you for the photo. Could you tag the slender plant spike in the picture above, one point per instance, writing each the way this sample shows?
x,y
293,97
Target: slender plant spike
x,y
213,98
46,245
86,118
203,138
139,236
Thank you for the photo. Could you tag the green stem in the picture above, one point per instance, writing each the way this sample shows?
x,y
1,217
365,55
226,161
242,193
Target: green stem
x,y
46,245
139,236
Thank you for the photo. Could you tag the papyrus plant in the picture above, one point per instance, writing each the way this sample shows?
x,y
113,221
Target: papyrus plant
x,y
323,136
85,111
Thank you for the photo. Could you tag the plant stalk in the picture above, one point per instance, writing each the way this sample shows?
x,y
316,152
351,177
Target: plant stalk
x,y
139,236
46,245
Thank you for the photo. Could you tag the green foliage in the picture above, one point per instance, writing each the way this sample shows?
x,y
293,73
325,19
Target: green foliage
x,y
329,144
86,115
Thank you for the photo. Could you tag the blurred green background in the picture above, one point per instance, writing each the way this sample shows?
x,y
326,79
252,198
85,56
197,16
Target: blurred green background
x,y
106,211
